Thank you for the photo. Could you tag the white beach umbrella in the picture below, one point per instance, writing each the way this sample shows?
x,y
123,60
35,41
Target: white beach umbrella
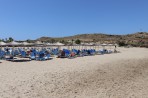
x,y
59,44
103,45
39,43
13,43
49,44
26,43
2,43
110,45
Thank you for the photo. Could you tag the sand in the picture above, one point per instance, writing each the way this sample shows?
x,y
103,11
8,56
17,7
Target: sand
x,y
118,75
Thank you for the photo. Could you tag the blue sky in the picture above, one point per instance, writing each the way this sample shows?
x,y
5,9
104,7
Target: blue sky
x,y
31,19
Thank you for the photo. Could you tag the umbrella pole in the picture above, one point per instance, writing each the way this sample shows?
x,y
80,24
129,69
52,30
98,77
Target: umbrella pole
x,y
13,52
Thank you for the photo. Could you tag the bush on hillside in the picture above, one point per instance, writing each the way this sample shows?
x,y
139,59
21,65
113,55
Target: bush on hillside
x,y
122,43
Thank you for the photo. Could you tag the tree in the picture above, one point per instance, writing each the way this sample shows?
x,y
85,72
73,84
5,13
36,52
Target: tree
x,y
28,40
78,41
53,40
122,43
72,41
62,41
10,39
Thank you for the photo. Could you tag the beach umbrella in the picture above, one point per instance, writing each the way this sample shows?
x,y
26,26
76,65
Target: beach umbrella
x,y
13,43
26,44
110,45
59,44
2,43
103,45
38,42
49,44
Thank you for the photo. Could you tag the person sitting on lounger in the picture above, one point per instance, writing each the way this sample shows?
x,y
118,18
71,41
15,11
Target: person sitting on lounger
x,y
62,54
88,51
72,54
78,52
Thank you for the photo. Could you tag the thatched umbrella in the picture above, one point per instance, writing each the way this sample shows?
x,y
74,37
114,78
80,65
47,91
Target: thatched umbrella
x,y
38,43
110,45
59,45
26,44
13,43
2,44
103,45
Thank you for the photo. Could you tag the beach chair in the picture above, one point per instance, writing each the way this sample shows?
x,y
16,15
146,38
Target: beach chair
x,y
61,54
16,52
2,54
84,52
109,51
32,56
67,53
47,57
23,54
41,56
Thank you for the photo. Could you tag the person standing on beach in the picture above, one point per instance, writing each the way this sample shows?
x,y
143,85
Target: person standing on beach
x,y
115,51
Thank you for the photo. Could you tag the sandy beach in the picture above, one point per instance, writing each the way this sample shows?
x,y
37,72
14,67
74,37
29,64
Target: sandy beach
x,y
117,75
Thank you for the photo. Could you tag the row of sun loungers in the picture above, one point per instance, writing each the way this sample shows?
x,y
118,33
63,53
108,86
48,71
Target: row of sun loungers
x,y
46,54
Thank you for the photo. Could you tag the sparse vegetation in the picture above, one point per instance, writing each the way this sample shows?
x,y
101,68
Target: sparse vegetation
x,y
122,43
10,39
139,39
78,41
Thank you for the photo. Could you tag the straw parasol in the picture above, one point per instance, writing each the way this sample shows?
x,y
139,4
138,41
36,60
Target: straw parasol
x,y
103,45
13,43
39,43
59,44
49,44
26,44
2,43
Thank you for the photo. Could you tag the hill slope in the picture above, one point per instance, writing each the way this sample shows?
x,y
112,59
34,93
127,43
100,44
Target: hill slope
x,y
135,39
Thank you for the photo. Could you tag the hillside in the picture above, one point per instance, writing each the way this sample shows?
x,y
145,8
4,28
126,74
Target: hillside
x,y
83,37
136,39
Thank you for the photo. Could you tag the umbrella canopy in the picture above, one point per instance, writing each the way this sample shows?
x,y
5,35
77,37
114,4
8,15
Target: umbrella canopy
x,y
104,44
110,44
59,44
26,44
49,44
39,43
2,44
13,43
